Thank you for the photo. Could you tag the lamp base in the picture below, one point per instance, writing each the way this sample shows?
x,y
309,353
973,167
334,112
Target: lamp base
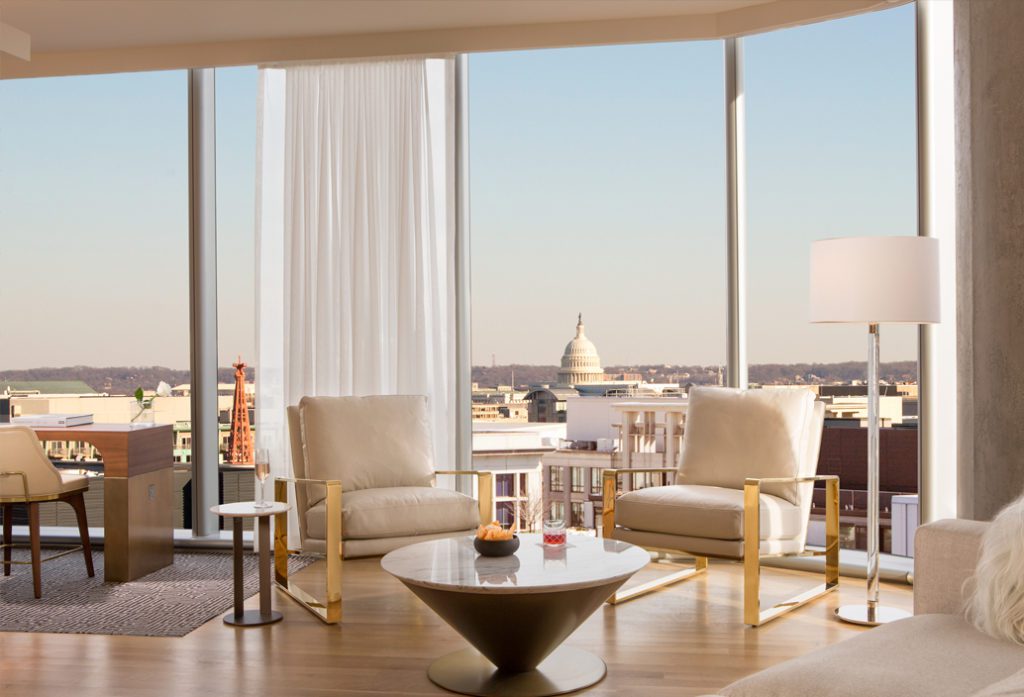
x,y
869,616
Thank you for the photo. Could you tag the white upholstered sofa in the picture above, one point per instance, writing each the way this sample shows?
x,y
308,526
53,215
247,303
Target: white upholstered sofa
x,y
935,653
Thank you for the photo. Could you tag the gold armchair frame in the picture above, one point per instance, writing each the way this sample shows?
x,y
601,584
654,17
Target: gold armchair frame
x,y
484,488
752,613
328,607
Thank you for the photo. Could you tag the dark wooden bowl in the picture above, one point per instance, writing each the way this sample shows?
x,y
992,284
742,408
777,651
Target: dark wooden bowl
x,y
496,548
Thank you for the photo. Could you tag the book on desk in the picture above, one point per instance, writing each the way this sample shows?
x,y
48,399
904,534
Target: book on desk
x,y
52,420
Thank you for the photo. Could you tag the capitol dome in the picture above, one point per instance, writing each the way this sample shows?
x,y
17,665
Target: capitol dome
x,y
580,362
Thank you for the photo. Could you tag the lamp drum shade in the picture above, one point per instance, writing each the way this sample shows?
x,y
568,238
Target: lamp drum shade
x,y
875,280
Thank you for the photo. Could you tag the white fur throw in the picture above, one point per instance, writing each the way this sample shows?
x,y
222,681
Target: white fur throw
x,y
996,601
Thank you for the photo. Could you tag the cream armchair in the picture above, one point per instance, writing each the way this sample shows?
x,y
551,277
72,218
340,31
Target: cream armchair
x,y
365,485
28,477
742,491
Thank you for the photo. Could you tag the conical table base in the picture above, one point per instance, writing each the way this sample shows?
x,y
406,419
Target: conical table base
x,y
870,616
516,632
516,611
566,669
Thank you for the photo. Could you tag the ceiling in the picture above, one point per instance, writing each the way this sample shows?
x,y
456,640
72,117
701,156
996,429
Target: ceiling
x,y
77,25
84,36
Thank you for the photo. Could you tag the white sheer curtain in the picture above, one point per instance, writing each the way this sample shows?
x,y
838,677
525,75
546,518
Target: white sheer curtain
x,y
355,240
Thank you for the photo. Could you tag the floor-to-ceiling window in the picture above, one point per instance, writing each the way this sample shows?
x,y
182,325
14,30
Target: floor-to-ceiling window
x,y
831,152
597,192
94,289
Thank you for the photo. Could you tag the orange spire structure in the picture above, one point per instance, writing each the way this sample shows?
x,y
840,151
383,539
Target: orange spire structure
x,y
240,446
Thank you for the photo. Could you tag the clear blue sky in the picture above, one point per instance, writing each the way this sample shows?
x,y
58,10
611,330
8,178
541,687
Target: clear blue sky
x,y
598,186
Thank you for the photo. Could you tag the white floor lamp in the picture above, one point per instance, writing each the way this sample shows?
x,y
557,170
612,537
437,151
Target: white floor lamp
x,y
872,281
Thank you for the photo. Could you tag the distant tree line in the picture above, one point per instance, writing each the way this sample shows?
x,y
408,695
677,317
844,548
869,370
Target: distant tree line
x,y
118,380
763,373
124,379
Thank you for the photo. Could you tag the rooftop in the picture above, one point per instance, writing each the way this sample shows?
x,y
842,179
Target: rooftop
x,y
46,386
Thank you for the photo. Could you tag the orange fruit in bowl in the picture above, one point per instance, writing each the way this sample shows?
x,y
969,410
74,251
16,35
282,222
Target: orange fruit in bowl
x,y
493,532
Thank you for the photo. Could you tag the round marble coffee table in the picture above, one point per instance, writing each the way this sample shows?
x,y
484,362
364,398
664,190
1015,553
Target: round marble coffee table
x,y
516,610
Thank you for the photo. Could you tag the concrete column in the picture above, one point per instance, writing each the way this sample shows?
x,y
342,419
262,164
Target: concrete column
x,y
989,71
628,417
673,426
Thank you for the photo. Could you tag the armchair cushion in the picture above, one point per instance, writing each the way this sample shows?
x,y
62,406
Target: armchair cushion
x,y
367,442
399,511
703,511
734,434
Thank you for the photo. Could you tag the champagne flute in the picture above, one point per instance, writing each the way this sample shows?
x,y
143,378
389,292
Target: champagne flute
x,y
262,462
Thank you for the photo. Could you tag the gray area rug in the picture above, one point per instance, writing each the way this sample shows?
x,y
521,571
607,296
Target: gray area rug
x,y
170,602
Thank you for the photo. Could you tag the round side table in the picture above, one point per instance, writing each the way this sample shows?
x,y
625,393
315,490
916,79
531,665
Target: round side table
x,y
241,617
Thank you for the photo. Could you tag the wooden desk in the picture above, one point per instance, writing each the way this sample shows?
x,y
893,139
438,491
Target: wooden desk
x,y
138,474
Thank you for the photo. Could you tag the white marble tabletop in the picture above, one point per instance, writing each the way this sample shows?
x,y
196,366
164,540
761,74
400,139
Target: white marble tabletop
x,y
247,509
453,564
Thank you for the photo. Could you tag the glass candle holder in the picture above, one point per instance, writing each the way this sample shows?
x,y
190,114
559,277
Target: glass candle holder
x,y
554,532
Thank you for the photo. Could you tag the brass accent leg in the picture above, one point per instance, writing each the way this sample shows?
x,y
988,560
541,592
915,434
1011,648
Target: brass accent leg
x,y
752,613
327,610
8,536
485,497
33,533
609,484
281,535
77,502
700,566
609,489
832,532
752,554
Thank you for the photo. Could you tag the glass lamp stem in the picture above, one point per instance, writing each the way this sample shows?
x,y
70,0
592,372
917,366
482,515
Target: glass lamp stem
x,y
873,456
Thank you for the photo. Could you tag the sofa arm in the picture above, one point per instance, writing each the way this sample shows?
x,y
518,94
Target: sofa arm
x,y
945,556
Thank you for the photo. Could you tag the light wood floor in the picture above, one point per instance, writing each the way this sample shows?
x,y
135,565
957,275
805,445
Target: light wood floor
x,y
685,640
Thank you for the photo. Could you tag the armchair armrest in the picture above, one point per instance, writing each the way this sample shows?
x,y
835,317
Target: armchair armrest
x,y
484,488
793,480
304,480
328,609
332,495
618,471
281,489
945,556
610,487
